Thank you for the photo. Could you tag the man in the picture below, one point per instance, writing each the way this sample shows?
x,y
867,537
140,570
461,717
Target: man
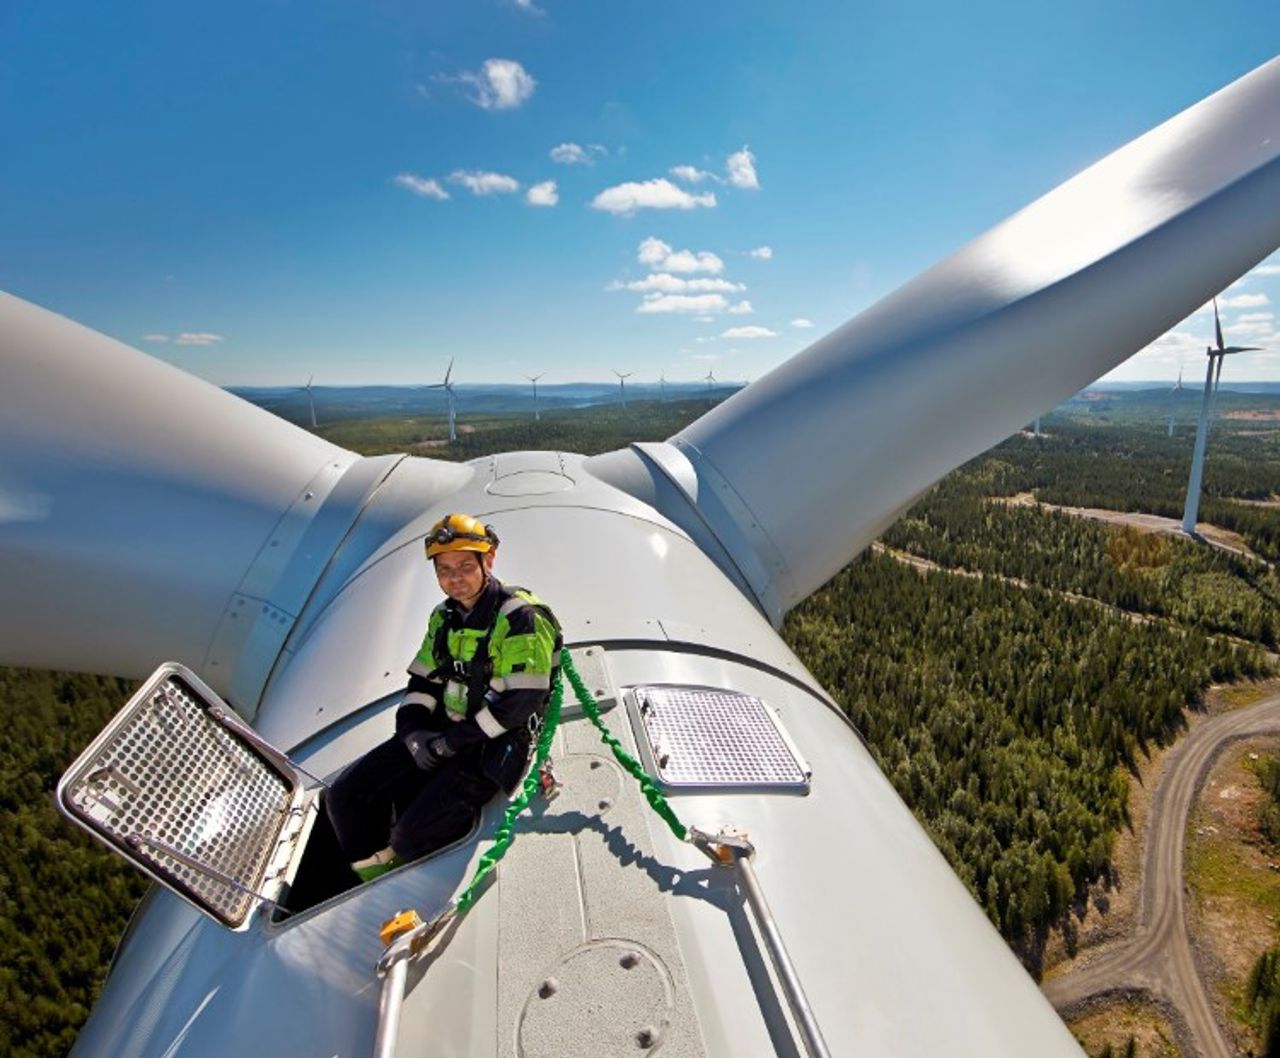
x,y
477,690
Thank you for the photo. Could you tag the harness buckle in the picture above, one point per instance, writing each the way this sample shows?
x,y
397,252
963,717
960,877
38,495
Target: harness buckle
x,y
548,782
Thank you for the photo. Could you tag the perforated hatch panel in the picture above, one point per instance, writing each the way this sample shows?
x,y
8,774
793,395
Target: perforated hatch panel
x,y
169,785
701,737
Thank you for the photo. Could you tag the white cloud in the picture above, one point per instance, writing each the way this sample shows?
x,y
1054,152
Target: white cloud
x,y
625,199
697,304
742,308
155,337
1255,317
500,84
571,154
543,194
749,332
761,253
660,257
528,5
420,186
1254,329
197,338
482,183
801,323
741,169
1266,270
1245,301
666,283
691,174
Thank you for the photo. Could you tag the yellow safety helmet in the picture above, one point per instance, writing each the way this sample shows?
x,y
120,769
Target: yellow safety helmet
x,y
460,532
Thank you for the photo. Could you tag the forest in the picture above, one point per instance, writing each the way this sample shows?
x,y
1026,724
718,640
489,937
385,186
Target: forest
x,y
961,525
1006,709
1007,718
65,900
1142,469
1262,993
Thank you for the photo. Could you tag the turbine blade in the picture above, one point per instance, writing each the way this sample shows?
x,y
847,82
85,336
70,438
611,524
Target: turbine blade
x,y
1217,324
127,524
448,372
845,435
147,516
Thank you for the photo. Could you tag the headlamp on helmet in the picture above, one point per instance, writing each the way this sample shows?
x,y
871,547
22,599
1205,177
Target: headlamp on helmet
x,y
460,532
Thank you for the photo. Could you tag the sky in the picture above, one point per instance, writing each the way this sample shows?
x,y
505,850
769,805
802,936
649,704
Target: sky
x,y
260,192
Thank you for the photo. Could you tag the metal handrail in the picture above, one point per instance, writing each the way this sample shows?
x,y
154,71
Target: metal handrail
x,y
796,999
731,847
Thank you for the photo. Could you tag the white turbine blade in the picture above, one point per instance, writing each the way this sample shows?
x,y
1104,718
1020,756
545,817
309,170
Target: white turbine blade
x,y
146,515
1217,325
448,372
803,469
133,498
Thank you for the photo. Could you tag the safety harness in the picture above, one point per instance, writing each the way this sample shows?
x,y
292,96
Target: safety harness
x,y
476,674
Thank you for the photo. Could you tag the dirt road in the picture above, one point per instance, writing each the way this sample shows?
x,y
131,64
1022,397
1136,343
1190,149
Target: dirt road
x,y
1158,959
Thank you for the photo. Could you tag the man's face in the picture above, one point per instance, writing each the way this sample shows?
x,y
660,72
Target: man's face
x,y
461,574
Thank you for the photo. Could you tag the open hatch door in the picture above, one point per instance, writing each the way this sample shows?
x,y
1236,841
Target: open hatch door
x,y
181,787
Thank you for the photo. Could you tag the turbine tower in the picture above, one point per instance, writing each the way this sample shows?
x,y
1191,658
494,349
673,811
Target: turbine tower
x,y
709,378
447,386
622,385
662,388
1173,397
311,401
534,380
1211,377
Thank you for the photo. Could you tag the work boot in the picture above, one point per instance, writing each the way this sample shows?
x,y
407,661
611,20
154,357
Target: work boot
x,y
377,865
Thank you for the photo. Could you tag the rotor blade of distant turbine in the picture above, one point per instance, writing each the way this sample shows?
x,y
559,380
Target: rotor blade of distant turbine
x,y
163,519
1217,326
843,436
448,372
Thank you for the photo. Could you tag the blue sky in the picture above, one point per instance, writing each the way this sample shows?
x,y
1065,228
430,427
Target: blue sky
x,y
258,192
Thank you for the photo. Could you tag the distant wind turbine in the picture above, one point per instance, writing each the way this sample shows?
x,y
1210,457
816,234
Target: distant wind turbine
x,y
622,385
534,380
1211,378
662,388
311,400
709,379
447,386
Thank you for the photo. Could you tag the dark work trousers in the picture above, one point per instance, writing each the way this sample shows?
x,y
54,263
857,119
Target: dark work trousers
x,y
385,799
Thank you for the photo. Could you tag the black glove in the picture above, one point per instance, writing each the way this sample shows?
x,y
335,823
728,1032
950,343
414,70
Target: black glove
x,y
427,751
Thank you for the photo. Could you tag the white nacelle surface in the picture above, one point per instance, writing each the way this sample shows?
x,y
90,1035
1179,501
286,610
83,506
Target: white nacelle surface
x,y
895,956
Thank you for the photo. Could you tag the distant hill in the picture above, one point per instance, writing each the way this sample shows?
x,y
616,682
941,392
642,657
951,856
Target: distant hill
x,y
341,403
1191,380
